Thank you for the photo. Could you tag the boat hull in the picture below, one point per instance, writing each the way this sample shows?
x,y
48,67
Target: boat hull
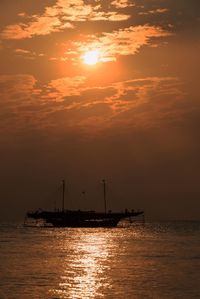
x,y
85,223
82,218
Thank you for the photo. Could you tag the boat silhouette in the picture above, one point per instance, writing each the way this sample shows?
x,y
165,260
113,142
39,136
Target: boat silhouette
x,y
79,218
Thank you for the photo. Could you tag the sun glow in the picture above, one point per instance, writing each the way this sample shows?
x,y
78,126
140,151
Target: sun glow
x,y
91,57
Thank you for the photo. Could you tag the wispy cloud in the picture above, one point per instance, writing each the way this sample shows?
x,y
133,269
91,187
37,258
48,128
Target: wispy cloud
x,y
122,3
154,11
138,103
22,51
19,101
109,16
59,17
72,101
60,88
27,54
11,84
38,26
125,41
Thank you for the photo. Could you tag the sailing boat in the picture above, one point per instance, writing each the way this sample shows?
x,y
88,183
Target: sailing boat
x,y
78,218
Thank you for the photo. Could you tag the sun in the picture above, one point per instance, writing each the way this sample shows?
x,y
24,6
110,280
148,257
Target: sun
x,y
91,57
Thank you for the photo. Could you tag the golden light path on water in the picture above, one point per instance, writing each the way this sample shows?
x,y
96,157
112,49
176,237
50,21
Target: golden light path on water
x,y
86,265
157,260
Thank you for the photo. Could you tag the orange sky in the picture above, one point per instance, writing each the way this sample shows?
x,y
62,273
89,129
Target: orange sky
x,y
132,116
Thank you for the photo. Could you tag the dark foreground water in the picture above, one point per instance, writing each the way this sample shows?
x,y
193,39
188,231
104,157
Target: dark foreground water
x,y
160,260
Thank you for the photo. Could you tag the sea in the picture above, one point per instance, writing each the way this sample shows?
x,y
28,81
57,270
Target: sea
x,y
139,260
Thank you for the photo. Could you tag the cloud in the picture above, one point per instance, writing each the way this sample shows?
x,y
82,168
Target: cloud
x,y
59,17
38,26
78,11
22,51
11,84
17,31
138,103
122,3
72,102
19,101
28,54
109,16
125,41
144,104
65,87
155,11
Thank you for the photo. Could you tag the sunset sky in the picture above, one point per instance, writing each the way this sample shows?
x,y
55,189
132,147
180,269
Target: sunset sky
x,y
93,90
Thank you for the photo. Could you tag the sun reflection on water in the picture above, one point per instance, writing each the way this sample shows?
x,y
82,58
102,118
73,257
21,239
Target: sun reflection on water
x,y
86,265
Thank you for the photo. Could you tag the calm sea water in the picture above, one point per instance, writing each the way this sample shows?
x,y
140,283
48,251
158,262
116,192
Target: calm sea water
x,y
159,260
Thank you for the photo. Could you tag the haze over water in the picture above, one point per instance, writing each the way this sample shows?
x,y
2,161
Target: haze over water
x,y
158,260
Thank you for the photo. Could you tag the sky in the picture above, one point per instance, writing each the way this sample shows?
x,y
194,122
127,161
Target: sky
x,y
93,90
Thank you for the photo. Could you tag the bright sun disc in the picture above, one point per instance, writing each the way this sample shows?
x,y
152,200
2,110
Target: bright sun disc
x,y
91,57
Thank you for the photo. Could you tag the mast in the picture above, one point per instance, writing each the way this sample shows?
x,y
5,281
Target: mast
x,y
63,195
104,195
